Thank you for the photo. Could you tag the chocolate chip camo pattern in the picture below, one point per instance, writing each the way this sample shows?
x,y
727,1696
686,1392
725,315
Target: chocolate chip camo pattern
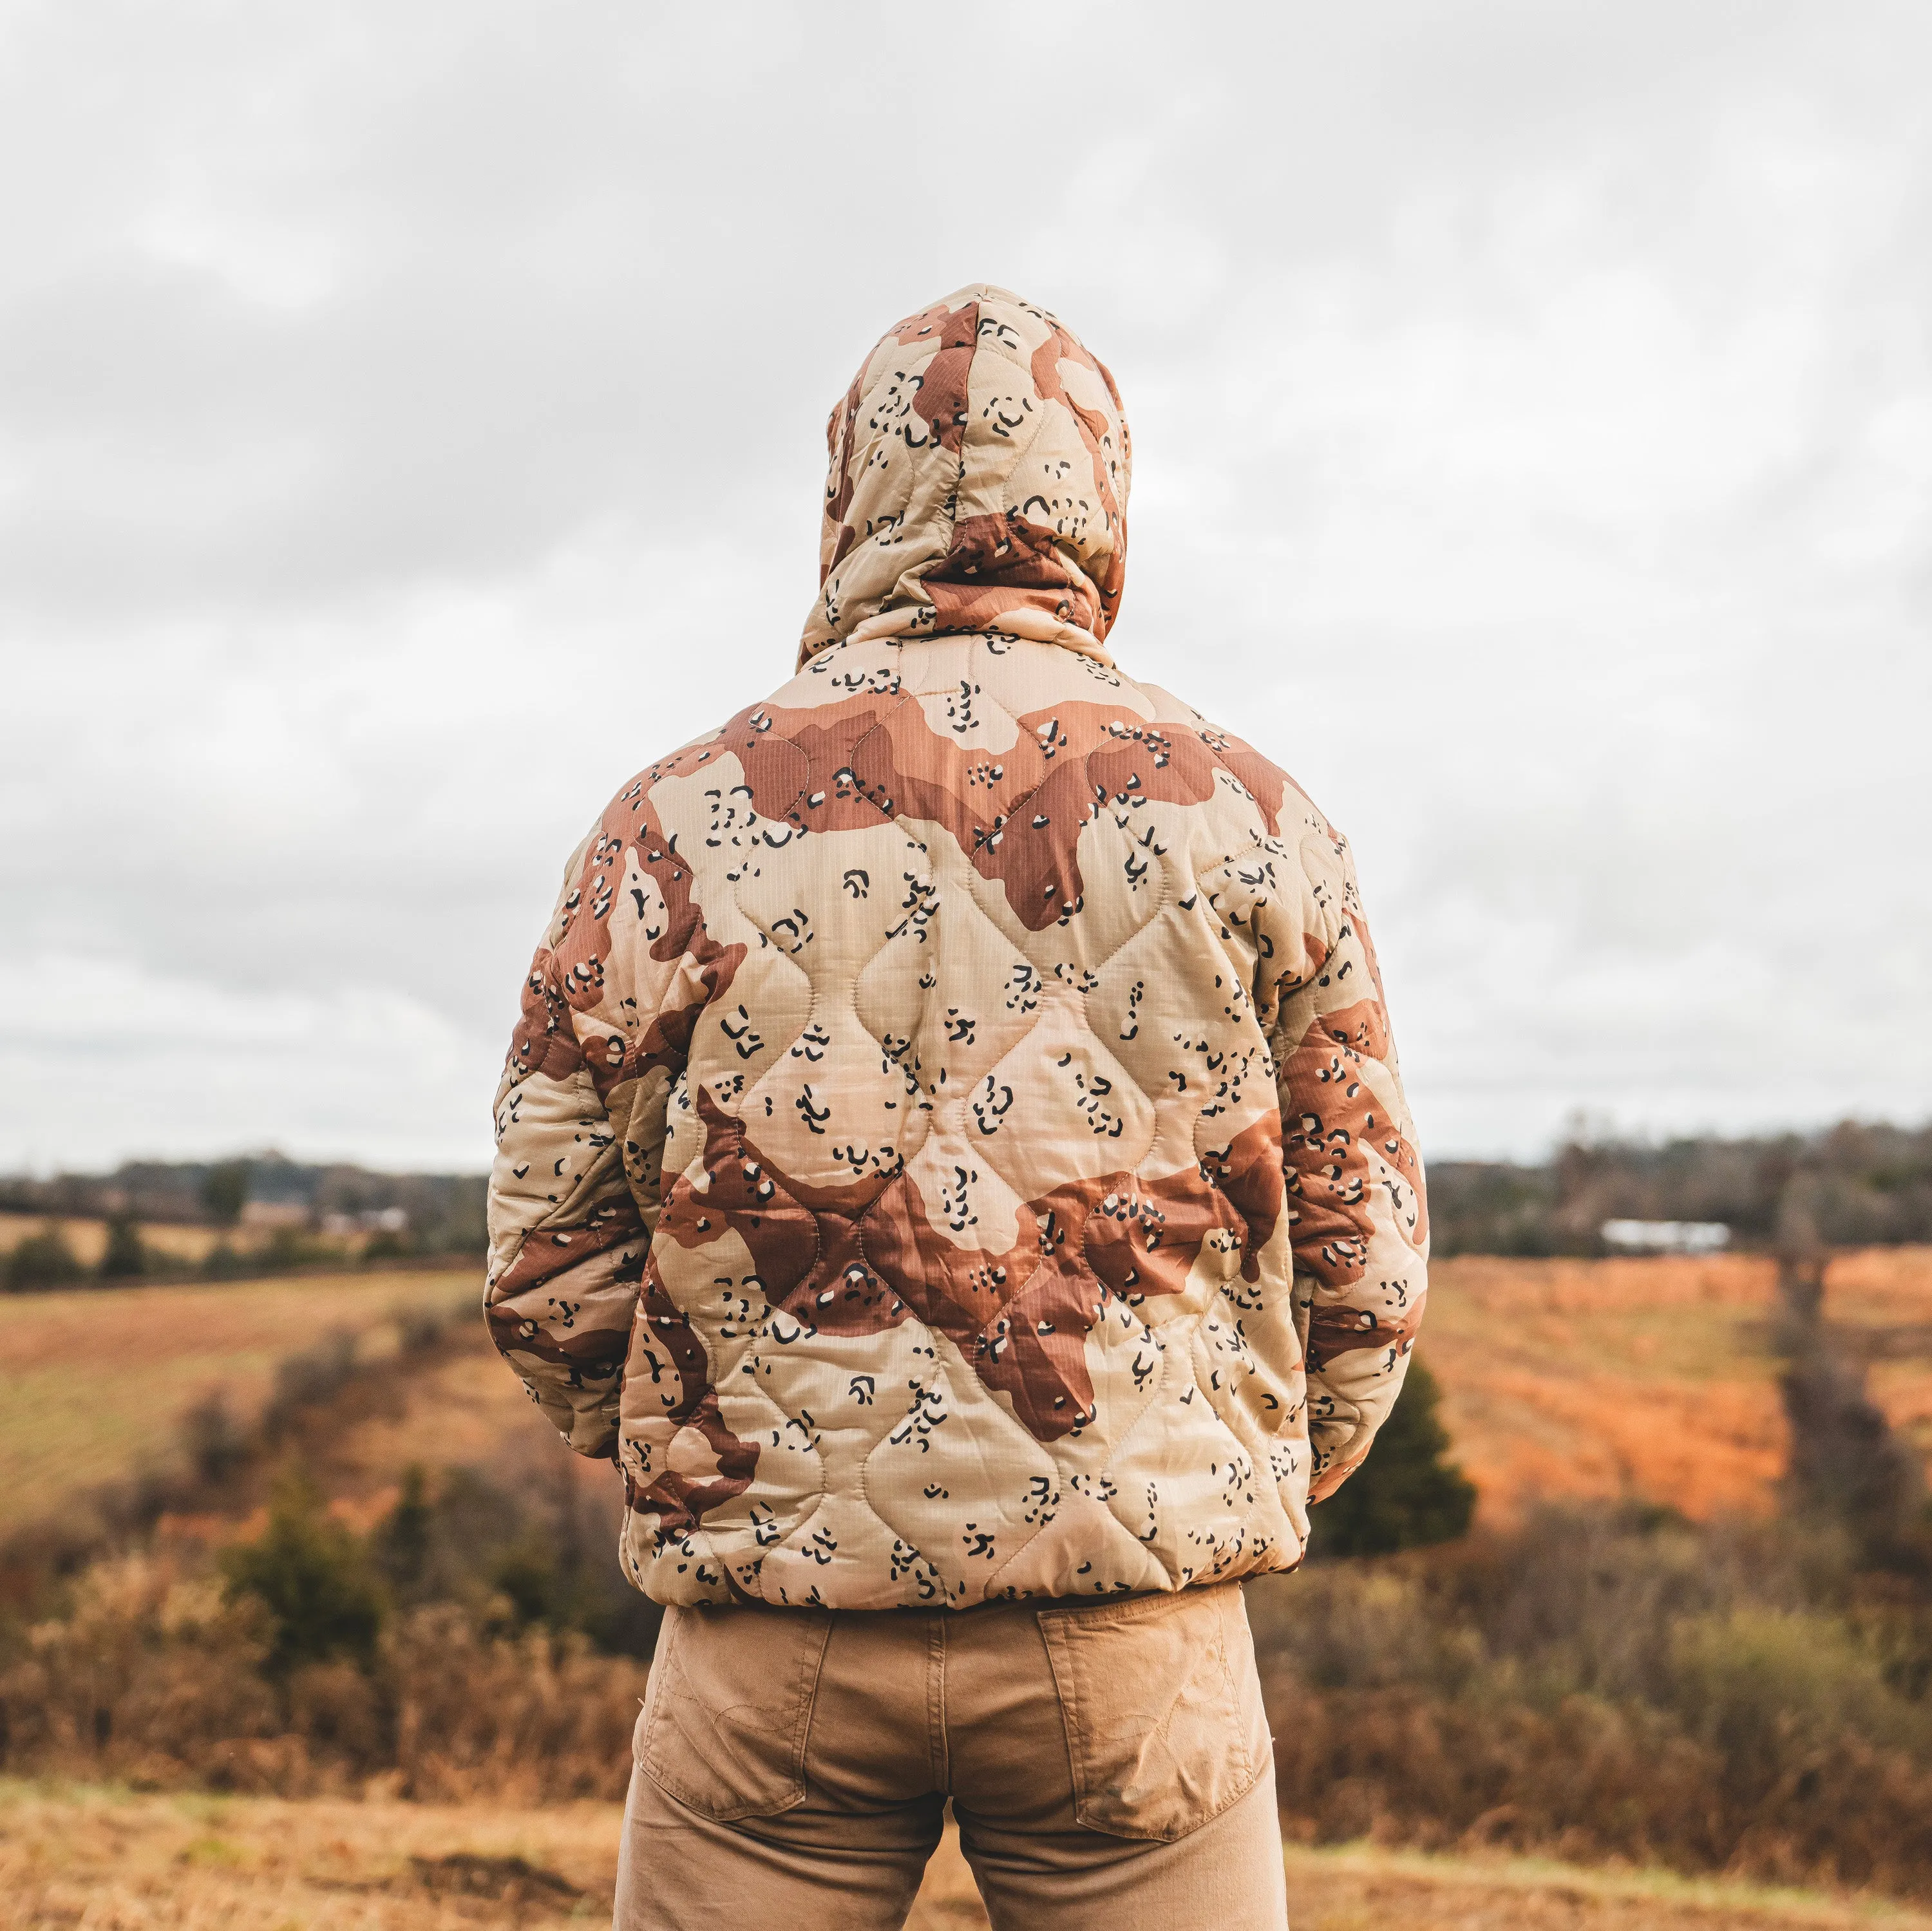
x,y
953,1148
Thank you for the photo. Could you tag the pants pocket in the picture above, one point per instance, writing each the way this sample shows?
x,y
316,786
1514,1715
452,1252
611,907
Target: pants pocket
x,y
1163,1709
728,1705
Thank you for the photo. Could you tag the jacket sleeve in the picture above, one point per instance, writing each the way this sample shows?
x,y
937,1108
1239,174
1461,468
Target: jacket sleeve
x,y
574,1191
1354,1186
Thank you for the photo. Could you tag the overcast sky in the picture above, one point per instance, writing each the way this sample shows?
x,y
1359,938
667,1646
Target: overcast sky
x,y
412,422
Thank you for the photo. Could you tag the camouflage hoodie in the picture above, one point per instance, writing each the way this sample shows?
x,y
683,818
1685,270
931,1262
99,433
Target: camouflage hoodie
x,y
952,1147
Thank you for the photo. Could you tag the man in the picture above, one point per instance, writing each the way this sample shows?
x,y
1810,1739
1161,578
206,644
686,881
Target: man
x,y
952,1159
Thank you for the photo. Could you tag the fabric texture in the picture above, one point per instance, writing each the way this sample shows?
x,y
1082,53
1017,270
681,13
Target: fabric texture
x,y
1108,1764
953,1148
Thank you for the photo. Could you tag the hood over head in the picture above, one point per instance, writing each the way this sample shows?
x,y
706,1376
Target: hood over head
x,y
979,481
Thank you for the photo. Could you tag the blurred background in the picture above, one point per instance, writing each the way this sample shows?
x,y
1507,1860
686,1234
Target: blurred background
x,y
411,422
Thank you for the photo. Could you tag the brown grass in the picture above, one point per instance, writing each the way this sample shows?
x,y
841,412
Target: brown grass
x,y
1651,1379
154,1678
93,1383
466,1409
74,1857
1361,1888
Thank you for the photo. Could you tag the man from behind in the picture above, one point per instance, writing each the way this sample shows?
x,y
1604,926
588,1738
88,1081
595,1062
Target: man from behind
x,y
952,1159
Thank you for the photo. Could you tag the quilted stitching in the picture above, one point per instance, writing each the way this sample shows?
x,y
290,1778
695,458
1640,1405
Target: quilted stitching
x,y
952,1147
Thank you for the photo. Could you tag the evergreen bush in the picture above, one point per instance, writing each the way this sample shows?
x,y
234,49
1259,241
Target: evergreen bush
x,y
1407,1494
314,1579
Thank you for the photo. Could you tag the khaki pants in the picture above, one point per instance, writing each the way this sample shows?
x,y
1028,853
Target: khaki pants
x,y
1108,1764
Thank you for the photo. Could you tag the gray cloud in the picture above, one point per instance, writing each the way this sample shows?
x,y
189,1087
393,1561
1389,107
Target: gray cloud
x,y
411,422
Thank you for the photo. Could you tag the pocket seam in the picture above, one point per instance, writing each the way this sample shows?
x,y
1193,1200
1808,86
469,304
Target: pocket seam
x,y
644,1736
808,1707
651,1757
1054,1627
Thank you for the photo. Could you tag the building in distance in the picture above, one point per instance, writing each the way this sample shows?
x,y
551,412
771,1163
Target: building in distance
x,y
1666,1237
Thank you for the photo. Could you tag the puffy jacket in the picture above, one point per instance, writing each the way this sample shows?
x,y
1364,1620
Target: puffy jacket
x,y
952,1147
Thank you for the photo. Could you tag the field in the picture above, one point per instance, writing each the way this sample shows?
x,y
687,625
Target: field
x,y
1653,1379
93,1383
112,1861
1650,1379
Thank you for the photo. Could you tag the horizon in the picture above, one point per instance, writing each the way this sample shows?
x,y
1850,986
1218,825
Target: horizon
x,y
1584,1137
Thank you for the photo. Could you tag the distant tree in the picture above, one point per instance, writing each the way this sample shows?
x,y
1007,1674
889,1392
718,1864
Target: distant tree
x,y
1847,1464
1406,1495
224,1191
215,1444
401,1542
126,1258
288,1247
314,1577
384,1244
43,1260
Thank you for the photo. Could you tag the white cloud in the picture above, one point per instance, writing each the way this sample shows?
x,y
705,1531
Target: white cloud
x,y
410,423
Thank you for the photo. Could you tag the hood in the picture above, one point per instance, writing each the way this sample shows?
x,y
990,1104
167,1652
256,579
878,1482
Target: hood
x,y
978,481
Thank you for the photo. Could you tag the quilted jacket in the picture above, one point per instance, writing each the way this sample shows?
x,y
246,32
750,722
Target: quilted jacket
x,y
952,1147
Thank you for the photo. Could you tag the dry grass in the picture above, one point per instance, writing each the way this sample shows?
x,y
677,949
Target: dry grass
x,y
158,1680
1652,1379
83,1859
466,1409
101,1859
1361,1888
93,1384
1648,1378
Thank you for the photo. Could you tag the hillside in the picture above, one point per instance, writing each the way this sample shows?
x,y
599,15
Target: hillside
x,y
94,1384
1648,1378
1434,1699
1654,1379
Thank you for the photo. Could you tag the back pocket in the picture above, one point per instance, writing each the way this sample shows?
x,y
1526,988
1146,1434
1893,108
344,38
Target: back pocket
x,y
728,1705
1163,1709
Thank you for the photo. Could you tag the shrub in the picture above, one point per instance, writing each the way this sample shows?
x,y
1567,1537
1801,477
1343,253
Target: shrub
x,y
1758,1684
1610,1685
1407,1494
126,1257
307,1379
314,1579
516,1559
224,1191
43,1260
533,1719
401,1544
148,1666
419,1329
291,1247
215,1444
157,1676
